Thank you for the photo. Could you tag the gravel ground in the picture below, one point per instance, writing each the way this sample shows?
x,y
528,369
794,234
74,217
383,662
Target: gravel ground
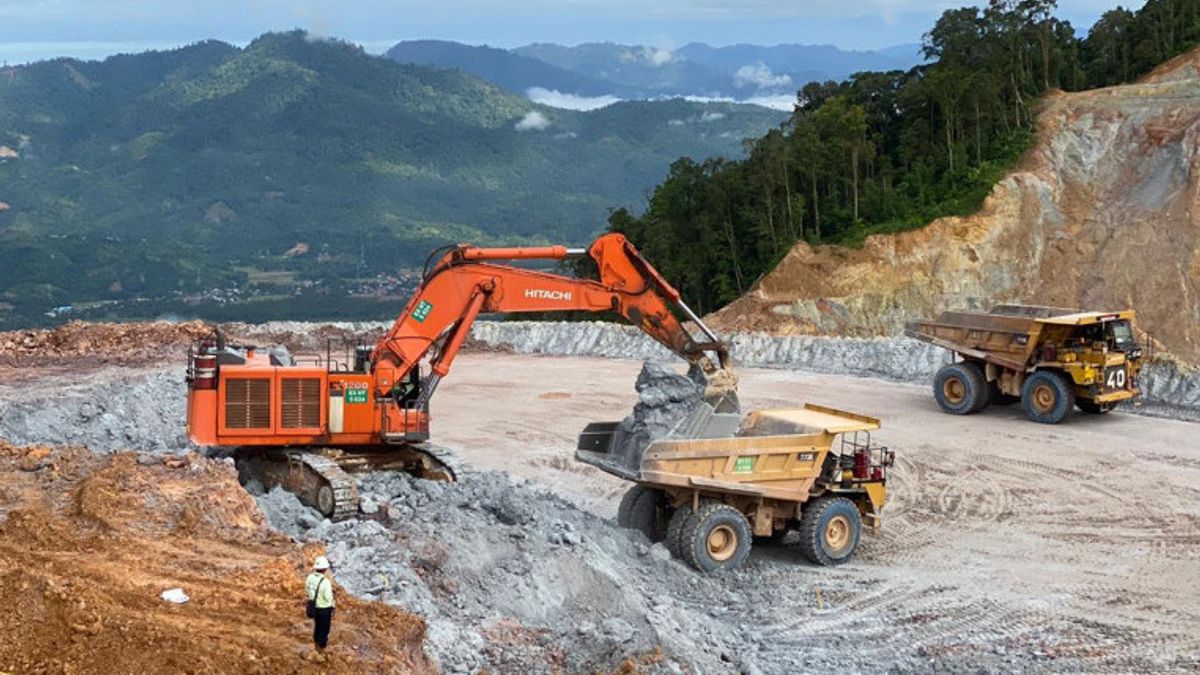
x,y
1006,545
107,409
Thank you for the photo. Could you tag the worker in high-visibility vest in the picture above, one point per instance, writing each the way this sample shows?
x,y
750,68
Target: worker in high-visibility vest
x,y
319,589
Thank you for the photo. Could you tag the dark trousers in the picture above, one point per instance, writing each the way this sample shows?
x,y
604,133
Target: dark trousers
x,y
321,625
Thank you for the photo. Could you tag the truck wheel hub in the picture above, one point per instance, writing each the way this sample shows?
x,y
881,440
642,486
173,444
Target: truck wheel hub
x,y
722,542
1044,398
837,533
954,390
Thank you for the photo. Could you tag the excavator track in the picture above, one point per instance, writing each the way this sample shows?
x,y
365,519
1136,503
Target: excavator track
x,y
314,476
322,477
338,497
423,460
450,464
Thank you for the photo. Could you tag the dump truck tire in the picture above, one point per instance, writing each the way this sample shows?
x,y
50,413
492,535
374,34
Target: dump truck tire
x,y
1047,397
639,510
631,495
1093,408
675,526
830,530
716,538
960,388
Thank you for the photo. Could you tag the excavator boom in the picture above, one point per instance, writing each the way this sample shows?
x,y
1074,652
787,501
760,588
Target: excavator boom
x,y
308,420
466,282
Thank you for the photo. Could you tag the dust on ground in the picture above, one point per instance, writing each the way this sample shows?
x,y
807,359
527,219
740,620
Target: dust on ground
x,y
1006,544
88,542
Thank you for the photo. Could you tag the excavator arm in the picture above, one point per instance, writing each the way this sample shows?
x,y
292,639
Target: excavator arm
x,y
302,426
467,281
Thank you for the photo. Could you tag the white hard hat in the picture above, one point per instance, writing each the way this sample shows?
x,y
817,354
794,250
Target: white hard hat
x,y
321,563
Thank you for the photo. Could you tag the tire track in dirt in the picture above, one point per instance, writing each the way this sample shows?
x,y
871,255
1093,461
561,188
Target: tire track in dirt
x,y
920,556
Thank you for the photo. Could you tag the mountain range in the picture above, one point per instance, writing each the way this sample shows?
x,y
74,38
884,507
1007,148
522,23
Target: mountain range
x,y
562,75
298,164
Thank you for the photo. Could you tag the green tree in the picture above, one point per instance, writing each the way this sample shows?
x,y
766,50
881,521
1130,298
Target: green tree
x,y
887,151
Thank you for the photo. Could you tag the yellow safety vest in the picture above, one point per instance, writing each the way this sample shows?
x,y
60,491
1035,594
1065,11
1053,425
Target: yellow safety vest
x,y
318,587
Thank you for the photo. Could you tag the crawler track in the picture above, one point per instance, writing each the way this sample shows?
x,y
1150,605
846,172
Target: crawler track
x,y
341,487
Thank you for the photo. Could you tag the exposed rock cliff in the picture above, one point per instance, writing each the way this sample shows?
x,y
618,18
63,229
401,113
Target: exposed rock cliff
x,y
1103,213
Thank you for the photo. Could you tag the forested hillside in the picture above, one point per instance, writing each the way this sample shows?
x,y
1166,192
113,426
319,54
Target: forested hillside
x,y
300,165
890,151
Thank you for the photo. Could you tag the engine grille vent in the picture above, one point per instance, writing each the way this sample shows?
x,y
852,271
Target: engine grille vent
x,y
248,403
301,402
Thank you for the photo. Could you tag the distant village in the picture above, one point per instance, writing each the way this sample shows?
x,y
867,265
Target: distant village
x,y
379,287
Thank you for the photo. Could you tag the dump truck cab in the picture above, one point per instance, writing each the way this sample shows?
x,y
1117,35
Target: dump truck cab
x,y
1097,350
1050,359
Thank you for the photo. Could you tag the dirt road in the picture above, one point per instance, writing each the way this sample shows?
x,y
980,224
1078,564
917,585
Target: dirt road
x,y
1078,543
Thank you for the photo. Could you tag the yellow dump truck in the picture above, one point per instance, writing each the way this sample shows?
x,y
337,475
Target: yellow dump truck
x,y
1050,359
724,480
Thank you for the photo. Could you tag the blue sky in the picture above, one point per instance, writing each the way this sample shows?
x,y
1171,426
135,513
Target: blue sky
x,y
34,29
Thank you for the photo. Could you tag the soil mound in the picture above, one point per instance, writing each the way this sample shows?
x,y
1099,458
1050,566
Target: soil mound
x,y
103,342
88,543
86,343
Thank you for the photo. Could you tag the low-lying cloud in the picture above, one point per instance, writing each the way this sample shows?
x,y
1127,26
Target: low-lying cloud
x,y
558,99
532,121
659,57
655,56
775,102
760,76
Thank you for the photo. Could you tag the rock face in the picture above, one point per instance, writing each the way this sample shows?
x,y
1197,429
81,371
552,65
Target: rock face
x,y
1103,213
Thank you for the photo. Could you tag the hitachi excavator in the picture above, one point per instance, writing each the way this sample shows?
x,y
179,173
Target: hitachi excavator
x,y
304,426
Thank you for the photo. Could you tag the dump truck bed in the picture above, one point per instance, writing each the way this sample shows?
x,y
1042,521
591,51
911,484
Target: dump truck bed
x,y
773,453
810,418
1002,339
1006,336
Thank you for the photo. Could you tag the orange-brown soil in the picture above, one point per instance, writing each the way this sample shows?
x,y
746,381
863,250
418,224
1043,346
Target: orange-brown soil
x,y
88,542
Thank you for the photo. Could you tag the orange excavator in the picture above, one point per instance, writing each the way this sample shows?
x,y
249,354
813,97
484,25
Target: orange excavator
x,y
305,426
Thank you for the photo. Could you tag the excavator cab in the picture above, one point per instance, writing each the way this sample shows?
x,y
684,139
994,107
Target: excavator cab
x,y
407,392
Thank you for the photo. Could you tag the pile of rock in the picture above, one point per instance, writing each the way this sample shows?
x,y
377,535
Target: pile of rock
x,y
510,577
104,341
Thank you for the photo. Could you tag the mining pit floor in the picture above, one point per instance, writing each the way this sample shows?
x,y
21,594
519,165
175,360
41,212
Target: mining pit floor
x,y
1081,540
1006,545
